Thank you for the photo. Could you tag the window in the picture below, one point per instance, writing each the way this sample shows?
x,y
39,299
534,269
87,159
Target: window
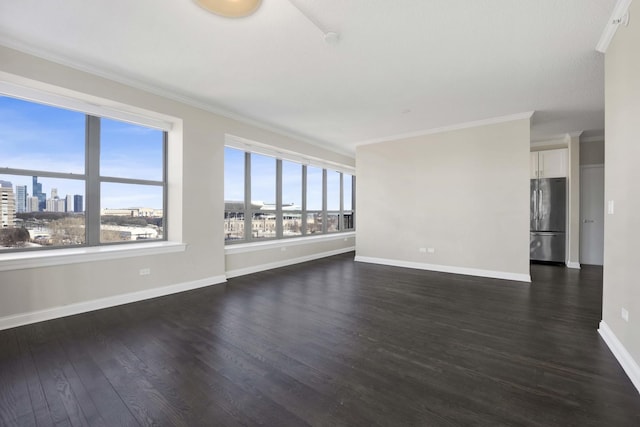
x,y
234,188
291,199
282,198
70,179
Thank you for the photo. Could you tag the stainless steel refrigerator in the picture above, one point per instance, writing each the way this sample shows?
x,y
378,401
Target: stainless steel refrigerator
x,y
548,219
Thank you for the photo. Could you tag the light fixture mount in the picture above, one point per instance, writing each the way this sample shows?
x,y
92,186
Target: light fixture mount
x,y
230,8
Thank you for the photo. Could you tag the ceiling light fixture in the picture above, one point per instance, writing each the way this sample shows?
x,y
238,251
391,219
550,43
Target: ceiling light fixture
x,y
230,8
619,16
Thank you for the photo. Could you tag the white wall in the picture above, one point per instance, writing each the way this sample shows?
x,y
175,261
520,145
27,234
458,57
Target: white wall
x,y
622,186
196,184
464,193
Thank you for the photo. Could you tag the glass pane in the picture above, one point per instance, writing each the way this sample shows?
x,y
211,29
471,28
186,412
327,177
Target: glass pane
x,y
38,137
263,225
314,222
130,212
51,216
263,181
292,223
130,151
234,177
233,225
333,190
291,186
333,221
347,181
314,188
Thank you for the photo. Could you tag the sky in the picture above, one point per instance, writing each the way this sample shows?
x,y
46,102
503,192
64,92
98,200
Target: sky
x,y
44,138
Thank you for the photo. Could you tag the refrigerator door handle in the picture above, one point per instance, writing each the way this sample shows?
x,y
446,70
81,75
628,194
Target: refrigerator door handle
x,y
540,205
535,206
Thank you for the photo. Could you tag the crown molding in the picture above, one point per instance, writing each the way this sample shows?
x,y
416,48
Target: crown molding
x,y
459,126
618,16
596,138
156,90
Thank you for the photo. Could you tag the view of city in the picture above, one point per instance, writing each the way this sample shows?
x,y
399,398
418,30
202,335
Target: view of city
x,y
29,217
46,211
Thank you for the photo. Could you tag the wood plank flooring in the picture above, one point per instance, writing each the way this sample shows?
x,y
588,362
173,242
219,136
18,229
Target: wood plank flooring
x,y
328,343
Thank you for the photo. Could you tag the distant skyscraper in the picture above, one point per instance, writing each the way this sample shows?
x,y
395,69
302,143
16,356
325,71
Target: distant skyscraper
x,y
7,205
56,205
21,198
78,203
54,193
69,206
33,204
37,192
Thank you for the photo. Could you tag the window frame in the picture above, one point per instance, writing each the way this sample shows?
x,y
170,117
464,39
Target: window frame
x,y
92,178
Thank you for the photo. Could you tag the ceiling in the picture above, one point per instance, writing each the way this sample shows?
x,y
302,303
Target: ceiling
x,y
400,67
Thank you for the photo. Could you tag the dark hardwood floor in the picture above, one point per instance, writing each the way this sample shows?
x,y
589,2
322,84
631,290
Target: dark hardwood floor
x,y
328,343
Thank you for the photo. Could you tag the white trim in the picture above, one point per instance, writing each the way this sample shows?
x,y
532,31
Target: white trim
x,y
284,263
459,126
42,93
48,258
244,144
281,243
97,304
447,269
625,359
620,11
573,264
595,138
182,98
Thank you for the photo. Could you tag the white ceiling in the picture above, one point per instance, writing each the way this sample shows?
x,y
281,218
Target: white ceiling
x,y
400,67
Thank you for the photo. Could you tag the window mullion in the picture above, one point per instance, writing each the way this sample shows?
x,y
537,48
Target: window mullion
x,y
248,212
304,200
325,214
353,201
341,215
279,211
92,166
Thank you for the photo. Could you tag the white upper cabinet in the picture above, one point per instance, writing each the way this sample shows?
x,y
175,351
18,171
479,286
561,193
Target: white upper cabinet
x,y
549,163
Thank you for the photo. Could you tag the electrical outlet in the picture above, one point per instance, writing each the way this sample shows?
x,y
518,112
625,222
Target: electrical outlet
x,y
145,271
610,207
625,314
431,250
423,250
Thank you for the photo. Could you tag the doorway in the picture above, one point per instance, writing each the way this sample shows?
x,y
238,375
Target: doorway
x,y
592,214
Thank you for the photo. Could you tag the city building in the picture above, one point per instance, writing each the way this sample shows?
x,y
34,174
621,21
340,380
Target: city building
x,y
37,193
430,312
78,203
134,212
69,203
7,205
33,204
21,198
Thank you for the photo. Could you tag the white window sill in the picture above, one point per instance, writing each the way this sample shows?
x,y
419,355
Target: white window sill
x,y
290,241
47,258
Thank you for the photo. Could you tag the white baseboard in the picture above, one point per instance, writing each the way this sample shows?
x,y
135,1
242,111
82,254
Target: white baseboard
x,y
97,304
285,262
573,264
447,269
625,359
